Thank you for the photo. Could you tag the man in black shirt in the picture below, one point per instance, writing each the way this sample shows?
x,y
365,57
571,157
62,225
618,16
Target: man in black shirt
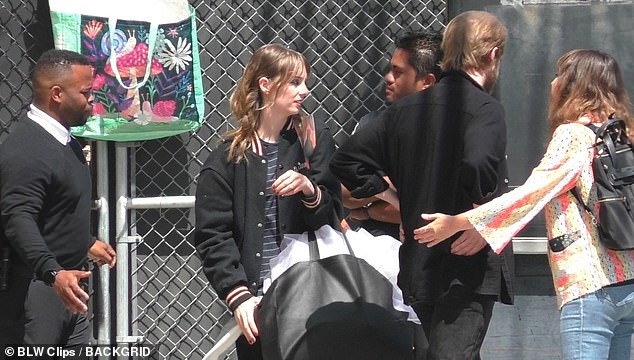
x,y
444,150
45,198
414,67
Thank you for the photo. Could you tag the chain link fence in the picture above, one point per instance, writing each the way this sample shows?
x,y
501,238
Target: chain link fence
x,y
348,44
26,33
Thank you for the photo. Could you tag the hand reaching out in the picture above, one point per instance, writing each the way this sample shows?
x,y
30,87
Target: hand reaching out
x,y
102,253
442,227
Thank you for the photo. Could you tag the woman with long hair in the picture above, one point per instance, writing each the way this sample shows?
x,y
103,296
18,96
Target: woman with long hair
x,y
265,180
594,285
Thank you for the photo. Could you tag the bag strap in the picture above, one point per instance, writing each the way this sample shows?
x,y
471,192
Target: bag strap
x,y
313,248
603,134
112,25
575,192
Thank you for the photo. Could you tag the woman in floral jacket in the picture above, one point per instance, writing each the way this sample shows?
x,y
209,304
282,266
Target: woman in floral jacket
x,y
594,285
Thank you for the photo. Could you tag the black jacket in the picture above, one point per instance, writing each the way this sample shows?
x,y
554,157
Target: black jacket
x,y
45,199
444,150
230,208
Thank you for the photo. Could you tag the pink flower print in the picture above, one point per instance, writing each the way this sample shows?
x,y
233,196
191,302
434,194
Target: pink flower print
x,y
164,108
92,28
162,112
172,33
98,109
98,81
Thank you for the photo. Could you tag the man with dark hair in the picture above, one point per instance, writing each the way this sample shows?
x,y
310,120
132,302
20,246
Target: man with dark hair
x,y
45,200
417,51
444,150
415,66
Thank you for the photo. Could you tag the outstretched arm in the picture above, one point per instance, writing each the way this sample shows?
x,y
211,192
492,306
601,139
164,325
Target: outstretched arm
x,y
569,153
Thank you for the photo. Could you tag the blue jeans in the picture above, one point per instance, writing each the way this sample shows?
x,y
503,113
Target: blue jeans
x,y
599,325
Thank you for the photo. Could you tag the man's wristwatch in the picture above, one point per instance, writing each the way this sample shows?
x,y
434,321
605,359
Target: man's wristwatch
x,y
49,277
366,210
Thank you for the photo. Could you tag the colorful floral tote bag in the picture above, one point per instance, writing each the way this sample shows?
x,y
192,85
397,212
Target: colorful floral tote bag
x,y
147,77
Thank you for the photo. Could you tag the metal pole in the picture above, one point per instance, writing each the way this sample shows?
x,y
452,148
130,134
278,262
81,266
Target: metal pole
x,y
165,202
121,169
103,233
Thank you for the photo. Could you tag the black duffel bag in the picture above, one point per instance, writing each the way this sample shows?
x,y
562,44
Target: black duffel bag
x,y
339,307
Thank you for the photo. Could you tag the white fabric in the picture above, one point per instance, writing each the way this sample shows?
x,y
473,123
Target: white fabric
x,y
379,251
160,11
49,124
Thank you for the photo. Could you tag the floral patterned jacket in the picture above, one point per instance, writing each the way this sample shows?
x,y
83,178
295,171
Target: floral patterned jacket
x,y
580,265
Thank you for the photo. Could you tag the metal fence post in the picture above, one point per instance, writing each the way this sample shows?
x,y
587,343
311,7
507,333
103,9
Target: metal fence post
x,y
123,248
103,234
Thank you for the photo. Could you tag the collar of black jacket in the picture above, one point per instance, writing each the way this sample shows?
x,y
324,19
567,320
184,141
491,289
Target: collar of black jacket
x,y
456,73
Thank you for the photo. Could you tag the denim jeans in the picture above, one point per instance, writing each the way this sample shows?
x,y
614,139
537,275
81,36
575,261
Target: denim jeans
x,y
599,325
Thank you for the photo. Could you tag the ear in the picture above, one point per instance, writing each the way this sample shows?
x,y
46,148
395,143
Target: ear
x,y
56,93
495,54
425,82
265,85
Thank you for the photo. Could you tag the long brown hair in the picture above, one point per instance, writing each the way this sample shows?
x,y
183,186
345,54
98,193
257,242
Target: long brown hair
x,y
274,62
589,82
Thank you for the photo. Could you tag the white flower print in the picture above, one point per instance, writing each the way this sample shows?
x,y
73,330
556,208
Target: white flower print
x,y
176,57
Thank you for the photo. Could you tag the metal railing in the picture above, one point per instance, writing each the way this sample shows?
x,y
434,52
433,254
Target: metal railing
x,y
348,44
161,297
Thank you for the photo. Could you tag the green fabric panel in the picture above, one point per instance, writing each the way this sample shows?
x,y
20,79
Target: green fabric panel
x,y
198,81
66,31
100,128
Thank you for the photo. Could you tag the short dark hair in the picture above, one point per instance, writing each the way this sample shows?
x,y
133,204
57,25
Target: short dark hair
x,y
54,61
424,49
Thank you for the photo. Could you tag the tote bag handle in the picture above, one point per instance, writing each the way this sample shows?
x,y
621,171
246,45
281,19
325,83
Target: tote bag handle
x,y
112,24
313,248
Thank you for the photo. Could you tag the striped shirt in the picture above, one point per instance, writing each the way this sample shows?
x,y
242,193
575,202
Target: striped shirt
x,y
271,240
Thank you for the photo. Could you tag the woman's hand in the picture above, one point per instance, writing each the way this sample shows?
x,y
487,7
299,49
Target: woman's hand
x,y
441,228
292,182
245,318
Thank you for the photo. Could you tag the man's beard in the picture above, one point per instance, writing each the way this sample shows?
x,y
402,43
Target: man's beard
x,y
491,77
